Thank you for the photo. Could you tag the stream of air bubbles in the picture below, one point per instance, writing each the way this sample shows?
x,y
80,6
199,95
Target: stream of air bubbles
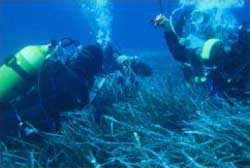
x,y
99,13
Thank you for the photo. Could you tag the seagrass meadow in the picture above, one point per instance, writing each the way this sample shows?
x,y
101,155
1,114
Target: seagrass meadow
x,y
163,123
54,54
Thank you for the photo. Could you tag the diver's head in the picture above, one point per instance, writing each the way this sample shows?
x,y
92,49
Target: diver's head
x,y
92,58
199,17
200,23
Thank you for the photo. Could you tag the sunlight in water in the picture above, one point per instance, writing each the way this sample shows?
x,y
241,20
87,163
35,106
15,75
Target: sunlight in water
x,y
100,12
208,4
214,19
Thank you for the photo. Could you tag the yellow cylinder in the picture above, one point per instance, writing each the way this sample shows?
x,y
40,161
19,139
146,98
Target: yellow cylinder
x,y
29,60
10,83
208,48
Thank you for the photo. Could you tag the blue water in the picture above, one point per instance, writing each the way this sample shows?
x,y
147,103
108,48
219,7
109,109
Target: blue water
x,y
37,22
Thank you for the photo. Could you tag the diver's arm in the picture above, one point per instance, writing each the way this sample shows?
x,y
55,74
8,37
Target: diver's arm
x,y
179,52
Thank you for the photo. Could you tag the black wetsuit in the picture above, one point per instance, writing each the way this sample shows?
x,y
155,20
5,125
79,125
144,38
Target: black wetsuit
x,y
59,88
62,87
66,86
192,65
237,67
231,76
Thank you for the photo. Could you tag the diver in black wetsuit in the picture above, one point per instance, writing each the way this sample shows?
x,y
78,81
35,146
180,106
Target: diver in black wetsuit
x,y
59,87
223,71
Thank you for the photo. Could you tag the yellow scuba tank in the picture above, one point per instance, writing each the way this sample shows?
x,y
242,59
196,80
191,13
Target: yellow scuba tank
x,y
208,48
15,75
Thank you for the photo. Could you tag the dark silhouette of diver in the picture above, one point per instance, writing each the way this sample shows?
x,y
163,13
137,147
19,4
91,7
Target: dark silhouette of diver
x,y
224,72
37,86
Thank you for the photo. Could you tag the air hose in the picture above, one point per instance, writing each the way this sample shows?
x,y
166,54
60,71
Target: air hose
x,y
171,20
66,41
171,16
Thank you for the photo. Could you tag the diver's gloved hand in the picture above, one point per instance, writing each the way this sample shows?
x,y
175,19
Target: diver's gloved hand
x,y
125,60
162,22
135,64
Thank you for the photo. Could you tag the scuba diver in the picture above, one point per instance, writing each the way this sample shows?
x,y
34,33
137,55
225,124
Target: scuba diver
x,y
205,59
36,86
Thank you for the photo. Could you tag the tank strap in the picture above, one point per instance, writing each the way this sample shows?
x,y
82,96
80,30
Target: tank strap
x,y
13,64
